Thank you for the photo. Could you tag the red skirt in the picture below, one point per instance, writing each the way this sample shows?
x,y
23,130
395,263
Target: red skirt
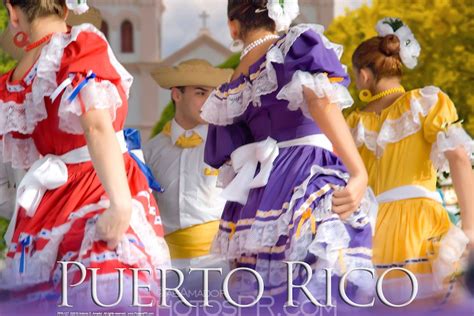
x,y
63,229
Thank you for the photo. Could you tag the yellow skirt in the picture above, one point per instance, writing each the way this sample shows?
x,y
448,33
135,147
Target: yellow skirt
x,y
417,235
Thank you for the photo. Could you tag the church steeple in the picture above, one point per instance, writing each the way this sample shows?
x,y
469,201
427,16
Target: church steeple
x,y
204,28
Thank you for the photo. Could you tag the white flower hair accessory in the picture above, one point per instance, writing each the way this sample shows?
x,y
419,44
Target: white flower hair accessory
x,y
409,47
77,6
283,12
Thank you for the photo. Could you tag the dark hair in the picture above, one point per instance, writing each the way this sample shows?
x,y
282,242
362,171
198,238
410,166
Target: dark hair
x,y
39,8
252,15
381,55
182,90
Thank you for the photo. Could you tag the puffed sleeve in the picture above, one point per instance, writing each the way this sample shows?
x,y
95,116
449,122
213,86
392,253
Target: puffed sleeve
x,y
311,60
442,128
92,79
223,140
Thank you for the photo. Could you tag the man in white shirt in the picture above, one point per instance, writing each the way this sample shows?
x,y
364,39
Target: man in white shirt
x,y
191,205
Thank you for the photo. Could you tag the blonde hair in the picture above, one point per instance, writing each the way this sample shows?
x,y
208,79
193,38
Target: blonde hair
x,y
40,8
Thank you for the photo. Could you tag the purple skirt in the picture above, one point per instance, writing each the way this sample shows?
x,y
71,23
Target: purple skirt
x,y
290,219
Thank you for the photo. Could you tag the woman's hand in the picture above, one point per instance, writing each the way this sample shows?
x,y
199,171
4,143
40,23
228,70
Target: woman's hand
x,y
113,224
330,120
347,200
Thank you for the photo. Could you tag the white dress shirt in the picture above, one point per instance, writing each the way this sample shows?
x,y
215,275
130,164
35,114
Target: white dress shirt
x,y
191,196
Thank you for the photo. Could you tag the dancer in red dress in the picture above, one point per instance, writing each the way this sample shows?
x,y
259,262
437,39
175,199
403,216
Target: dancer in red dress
x,y
84,199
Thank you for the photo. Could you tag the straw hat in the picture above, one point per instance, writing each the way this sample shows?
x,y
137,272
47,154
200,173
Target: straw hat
x,y
92,16
193,72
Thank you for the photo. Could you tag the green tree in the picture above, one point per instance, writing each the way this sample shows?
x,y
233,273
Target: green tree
x,y
444,30
6,63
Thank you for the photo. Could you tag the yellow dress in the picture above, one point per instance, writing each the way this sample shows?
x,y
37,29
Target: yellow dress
x,y
403,146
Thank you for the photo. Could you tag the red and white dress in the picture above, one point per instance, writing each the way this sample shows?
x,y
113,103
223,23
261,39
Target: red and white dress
x,y
61,196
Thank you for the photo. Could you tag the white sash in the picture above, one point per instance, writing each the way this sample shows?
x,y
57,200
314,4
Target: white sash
x,y
408,192
245,161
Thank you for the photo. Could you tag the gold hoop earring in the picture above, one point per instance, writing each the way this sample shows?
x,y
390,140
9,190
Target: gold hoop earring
x,y
365,95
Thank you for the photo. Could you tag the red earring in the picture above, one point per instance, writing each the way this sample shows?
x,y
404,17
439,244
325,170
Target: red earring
x,y
20,39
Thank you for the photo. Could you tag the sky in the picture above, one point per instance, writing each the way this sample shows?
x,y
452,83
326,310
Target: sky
x,y
174,36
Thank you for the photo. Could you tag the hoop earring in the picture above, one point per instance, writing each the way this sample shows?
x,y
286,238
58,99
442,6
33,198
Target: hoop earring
x,y
236,46
20,39
365,95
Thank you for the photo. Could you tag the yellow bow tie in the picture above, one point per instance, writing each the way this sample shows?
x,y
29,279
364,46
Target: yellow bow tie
x,y
184,141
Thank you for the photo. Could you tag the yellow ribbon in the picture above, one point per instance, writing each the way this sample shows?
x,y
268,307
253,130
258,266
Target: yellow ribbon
x,y
184,142
210,172
307,215
233,228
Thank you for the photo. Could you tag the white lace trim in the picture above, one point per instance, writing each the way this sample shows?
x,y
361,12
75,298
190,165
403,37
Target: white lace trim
x,y
40,266
452,138
95,95
320,85
21,118
22,153
223,109
393,131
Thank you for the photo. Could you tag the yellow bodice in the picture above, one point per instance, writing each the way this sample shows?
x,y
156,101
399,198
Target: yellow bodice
x,y
398,145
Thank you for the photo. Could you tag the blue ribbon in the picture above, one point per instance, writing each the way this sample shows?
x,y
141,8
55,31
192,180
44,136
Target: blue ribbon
x,y
133,140
24,243
81,85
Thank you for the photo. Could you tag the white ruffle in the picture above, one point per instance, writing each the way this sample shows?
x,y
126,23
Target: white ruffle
x,y
455,136
95,95
320,85
40,266
362,136
21,118
221,108
452,247
22,153
393,131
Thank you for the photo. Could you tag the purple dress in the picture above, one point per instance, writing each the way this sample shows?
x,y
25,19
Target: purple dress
x,y
289,217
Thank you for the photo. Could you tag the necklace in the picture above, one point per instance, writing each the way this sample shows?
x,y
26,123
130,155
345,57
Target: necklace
x,y
257,43
38,42
367,97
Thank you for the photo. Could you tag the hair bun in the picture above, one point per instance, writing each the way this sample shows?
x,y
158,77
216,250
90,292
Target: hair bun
x,y
390,45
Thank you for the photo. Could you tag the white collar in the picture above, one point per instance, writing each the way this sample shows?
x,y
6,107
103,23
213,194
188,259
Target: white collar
x,y
177,131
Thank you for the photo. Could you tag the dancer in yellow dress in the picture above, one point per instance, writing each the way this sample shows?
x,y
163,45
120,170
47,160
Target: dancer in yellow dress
x,y
404,138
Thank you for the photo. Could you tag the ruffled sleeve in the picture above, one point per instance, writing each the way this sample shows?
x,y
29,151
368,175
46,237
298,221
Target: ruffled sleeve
x,y
442,129
20,110
92,78
311,60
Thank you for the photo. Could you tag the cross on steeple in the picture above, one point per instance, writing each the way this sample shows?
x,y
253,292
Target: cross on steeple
x,y
204,16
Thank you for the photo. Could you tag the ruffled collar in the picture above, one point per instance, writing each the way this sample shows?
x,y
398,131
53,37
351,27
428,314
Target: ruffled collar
x,y
232,99
21,84
399,120
398,107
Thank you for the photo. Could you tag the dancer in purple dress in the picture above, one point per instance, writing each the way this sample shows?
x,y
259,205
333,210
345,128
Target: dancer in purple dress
x,y
273,130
